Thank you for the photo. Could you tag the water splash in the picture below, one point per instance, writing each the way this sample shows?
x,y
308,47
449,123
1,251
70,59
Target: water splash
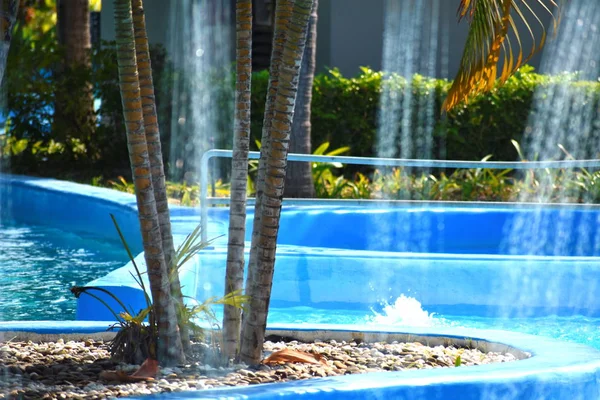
x,y
405,311
411,45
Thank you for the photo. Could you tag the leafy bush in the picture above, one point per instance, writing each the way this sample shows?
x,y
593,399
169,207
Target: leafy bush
x,y
345,112
477,184
31,88
137,337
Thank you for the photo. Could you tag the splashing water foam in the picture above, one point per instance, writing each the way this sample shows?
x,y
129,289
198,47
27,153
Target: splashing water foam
x,y
405,311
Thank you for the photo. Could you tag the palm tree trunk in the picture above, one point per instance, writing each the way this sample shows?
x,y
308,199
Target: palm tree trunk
x,y
73,31
156,161
74,116
169,342
283,12
234,279
298,180
8,15
280,123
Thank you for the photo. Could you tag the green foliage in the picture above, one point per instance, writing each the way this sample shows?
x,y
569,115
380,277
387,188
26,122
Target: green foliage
x,y
32,87
260,83
477,184
122,185
137,336
183,194
345,111
327,185
458,361
482,184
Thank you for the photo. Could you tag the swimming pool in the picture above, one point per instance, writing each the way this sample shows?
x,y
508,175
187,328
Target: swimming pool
x,y
454,260
39,264
576,328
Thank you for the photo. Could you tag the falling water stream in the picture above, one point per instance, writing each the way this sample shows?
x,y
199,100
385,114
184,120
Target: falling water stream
x,y
413,35
202,95
564,115
411,42
563,123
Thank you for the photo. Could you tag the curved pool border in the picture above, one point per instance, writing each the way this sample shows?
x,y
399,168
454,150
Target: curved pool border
x,y
556,370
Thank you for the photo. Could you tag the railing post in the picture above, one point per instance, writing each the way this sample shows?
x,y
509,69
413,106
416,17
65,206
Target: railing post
x,y
204,194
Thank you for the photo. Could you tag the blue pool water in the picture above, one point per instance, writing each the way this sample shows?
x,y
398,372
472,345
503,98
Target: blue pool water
x,y
578,329
39,264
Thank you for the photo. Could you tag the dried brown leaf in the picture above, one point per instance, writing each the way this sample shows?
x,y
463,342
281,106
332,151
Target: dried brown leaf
x,y
146,372
294,356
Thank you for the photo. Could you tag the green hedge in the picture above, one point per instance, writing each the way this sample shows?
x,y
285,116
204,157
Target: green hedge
x,y
345,112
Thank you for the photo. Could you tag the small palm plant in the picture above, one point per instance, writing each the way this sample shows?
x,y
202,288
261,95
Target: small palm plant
x,y
137,337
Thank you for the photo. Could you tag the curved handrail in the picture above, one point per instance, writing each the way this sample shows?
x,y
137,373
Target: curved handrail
x,y
376,161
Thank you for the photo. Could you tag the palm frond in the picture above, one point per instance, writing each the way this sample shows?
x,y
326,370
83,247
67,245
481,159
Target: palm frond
x,y
494,25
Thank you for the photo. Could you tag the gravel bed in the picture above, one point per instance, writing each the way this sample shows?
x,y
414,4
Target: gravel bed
x,y
70,370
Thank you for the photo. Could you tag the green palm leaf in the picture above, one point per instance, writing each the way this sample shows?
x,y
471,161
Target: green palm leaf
x,y
494,24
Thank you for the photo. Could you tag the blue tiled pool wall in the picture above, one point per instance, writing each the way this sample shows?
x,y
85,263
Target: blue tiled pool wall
x,y
456,284
443,229
465,283
423,229
498,230
484,286
70,207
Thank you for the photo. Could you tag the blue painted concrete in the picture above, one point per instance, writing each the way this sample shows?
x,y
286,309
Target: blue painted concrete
x,y
488,284
443,229
556,370
446,256
56,327
70,206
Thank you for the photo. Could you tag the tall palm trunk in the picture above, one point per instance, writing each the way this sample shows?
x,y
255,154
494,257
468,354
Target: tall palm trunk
x,y
169,342
8,15
74,117
280,124
234,279
73,28
156,160
283,12
298,181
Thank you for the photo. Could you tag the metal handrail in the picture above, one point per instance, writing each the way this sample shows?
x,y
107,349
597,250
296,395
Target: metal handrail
x,y
375,161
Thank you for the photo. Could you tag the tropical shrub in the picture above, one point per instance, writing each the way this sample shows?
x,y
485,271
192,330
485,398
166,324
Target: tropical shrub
x,y
345,111
136,339
476,184
30,90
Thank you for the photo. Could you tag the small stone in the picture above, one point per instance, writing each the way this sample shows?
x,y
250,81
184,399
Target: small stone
x,y
34,376
246,372
72,368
